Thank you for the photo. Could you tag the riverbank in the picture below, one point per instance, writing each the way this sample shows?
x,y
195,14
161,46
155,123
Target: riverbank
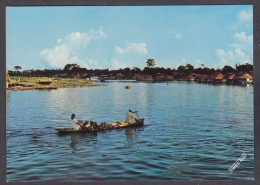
x,y
27,83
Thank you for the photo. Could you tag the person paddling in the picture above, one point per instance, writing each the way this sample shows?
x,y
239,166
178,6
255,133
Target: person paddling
x,y
130,117
75,124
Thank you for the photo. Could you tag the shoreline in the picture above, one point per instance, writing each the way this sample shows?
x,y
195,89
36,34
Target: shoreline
x,y
44,83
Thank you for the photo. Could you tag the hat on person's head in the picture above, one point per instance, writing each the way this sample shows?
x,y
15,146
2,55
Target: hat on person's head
x,y
130,110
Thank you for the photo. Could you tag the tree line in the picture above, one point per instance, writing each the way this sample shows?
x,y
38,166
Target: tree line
x,y
75,71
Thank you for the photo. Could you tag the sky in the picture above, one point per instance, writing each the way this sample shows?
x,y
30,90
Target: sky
x,y
113,37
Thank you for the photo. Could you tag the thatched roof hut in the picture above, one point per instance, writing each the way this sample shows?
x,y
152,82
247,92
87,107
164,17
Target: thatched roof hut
x,y
190,78
202,78
216,76
244,76
230,76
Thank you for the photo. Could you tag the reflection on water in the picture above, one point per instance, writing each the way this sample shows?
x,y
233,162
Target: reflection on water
x,y
131,133
195,131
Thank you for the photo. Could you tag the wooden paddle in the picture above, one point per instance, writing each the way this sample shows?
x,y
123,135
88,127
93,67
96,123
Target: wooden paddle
x,y
137,114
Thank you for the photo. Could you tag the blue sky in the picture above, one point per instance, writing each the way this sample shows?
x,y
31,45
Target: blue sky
x,y
126,36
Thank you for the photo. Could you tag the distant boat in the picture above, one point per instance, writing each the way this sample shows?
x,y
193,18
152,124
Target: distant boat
x,y
128,86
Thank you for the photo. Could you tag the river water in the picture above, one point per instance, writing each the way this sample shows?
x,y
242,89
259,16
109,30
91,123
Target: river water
x,y
192,132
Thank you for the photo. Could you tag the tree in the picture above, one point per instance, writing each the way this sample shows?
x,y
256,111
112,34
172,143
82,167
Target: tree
x,y
150,62
189,68
136,70
228,69
244,68
206,71
127,71
17,68
181,68
71,67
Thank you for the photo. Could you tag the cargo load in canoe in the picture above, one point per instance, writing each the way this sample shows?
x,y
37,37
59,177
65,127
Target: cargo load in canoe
x,y
103,126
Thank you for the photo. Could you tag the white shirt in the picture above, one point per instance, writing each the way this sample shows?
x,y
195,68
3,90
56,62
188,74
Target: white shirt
x,y
74,124
130,117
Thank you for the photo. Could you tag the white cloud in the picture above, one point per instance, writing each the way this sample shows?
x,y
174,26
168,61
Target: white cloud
x,y
97,34
66,49
244,19
129,56
178,36
196,63
9,67
119,50
241,53
132,47
232,57
242,41
183,60
116,64
245,15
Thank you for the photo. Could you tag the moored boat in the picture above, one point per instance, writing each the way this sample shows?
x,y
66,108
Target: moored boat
x,y
44,82
102,126
128,86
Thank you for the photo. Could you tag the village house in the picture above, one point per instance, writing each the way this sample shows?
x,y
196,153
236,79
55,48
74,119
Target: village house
x,y
169,78
94,78
179,76
143,77
160,77
176,73
202,78
190,78
112,78
102,78
243,79
164,77
217,78
120,76
229,78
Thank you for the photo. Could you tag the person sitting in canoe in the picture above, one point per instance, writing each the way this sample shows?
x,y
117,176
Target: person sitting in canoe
x,y
130,117
76,125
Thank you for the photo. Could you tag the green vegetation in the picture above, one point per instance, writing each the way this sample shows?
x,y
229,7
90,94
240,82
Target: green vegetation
x,y
55,82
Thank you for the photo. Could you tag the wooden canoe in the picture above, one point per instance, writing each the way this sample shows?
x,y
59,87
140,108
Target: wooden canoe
x,y
45,82
111,126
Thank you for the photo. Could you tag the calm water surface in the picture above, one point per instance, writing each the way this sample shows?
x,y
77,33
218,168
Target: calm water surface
x,y
193,132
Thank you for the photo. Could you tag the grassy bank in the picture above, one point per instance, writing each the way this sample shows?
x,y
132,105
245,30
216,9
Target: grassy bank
x,y
23,83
